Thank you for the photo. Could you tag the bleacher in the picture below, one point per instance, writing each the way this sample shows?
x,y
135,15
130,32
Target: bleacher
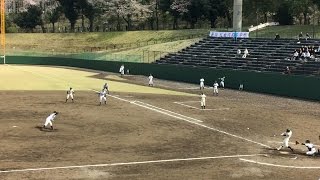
x,y
266,55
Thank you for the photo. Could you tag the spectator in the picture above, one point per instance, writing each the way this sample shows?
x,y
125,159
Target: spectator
x,y
307,36
238,53
295,55
300,36
277,37
287,70
245,53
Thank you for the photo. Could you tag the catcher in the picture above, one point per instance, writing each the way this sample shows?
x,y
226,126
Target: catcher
x,y
285,142
311,149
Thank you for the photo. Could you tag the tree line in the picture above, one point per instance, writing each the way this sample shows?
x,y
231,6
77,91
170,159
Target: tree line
x,y
96,15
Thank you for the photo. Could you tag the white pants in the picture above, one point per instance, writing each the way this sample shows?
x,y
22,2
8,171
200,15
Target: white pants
x,y
222,84
215,90
201,85
48,121
310,153
69,95
151,83
203,103
103,98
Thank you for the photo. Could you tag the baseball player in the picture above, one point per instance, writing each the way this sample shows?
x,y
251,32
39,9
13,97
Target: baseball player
x,y
102,96
241,87
201,83
106,87
222,82
311,149
70,93
50,119
203,101
150,80
121,70
215,88
285,142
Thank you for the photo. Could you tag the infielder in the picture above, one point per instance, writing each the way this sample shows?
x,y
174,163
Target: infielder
x,y
201,83
222,82
70,93
215,88
121,70
203,101
150,80
50,119
106,87
285,142
102,96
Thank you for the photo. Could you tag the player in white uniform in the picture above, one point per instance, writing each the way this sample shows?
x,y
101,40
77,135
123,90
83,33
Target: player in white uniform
x,y
215,88
70,93
311,149
50,119
285,142
150,80
106,87
203,101
222,82
201,83
102,96
121,70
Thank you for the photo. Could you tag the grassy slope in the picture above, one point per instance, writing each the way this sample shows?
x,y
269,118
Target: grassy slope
x,y
75,42
287,31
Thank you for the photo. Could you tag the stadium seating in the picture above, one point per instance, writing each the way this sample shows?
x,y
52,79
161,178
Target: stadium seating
x,y
266,55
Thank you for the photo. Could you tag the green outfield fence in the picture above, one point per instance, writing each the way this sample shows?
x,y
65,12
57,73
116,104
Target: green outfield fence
x,y
277,84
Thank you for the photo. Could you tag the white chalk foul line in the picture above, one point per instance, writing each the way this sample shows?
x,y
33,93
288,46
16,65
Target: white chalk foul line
x,y
192,121
277,165
216,109
128,163
187,117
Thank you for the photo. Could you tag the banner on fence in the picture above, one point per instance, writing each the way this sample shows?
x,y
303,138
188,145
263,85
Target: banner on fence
x,y
229,34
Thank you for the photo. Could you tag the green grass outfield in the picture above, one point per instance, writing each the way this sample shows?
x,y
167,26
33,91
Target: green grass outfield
x,y
16,77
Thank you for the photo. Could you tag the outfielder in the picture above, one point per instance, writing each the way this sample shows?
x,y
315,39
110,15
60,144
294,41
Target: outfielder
x,y
201,83
150,80
285,142
203,101
215,88
222,82
70,93
102,96
121,70
50,119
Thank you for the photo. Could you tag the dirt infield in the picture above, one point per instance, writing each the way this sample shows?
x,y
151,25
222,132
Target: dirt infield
x,y
150,136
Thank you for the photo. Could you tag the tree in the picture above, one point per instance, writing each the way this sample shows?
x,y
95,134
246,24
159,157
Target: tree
x,y
29,19
214,9
300,7
283,14
70,9
127,10
53,16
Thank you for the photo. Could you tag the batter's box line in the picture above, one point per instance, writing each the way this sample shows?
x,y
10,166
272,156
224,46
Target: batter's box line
x,y
192,107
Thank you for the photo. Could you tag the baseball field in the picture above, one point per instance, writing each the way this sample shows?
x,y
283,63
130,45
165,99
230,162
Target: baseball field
x,y
147,132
